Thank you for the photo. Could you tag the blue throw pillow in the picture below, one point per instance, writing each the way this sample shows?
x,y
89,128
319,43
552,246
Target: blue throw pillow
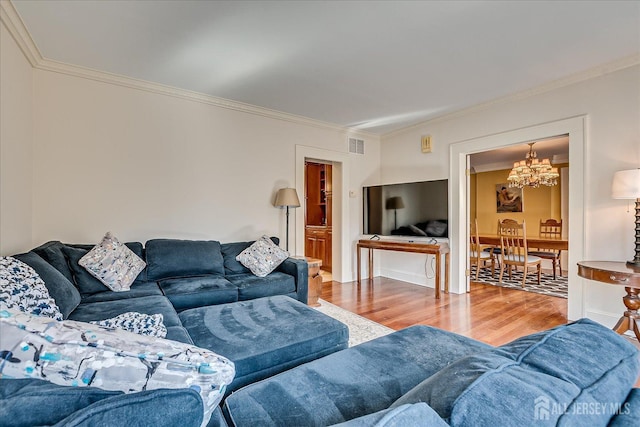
x,y
34,402
578,374
52,253
61,290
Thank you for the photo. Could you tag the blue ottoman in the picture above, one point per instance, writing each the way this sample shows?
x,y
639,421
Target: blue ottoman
x,y
264,336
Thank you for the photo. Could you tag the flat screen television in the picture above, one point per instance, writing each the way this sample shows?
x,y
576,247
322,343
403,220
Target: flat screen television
x,y
418,209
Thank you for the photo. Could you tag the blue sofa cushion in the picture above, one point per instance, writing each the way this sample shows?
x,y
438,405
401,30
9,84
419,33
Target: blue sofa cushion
x,y
351,383
192,292
251,286
571,366
231,250
84,281
416,414
629,412
229,253
61,290
179,333
34,402
158,408
264,336
87,312
167,258
52,253
137,290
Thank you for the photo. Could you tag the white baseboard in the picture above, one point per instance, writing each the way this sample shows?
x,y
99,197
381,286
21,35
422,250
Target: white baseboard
x,y
416,279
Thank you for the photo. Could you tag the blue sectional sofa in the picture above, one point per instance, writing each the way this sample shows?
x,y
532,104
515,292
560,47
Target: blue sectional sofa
x,y
293,367
206,297
579,374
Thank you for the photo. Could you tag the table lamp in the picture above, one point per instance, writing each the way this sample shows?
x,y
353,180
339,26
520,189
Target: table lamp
x,y
626,185
287,197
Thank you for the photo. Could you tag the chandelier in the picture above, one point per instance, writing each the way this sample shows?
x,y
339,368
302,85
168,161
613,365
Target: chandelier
x,y
532,172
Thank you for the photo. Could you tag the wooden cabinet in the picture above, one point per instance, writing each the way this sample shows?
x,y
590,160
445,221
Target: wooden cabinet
x,y
318,205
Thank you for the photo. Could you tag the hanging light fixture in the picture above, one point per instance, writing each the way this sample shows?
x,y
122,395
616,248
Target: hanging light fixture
x,y
532,172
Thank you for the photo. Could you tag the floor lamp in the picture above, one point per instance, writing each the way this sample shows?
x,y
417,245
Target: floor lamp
x,y
287,198
395,203
626,185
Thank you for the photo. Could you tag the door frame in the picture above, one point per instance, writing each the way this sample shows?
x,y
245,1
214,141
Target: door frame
x,y
575,127
340,244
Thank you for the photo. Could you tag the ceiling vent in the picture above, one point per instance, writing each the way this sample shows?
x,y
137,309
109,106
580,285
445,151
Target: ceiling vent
x,y
356,146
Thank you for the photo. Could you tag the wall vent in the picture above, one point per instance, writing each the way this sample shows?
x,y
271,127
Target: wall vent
x,y
356,146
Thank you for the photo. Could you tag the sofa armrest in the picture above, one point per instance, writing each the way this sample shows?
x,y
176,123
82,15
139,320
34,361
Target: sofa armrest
x,y
299,269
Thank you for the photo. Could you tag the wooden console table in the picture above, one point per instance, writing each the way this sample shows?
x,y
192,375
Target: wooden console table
x,y
618,273
401,246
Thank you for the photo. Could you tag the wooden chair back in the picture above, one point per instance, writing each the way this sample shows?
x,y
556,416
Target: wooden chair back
x,y
513,244
505,221
513,241
551,229
474,246
477,255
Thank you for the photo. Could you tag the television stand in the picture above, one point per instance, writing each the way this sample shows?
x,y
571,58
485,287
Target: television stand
x,y
403,246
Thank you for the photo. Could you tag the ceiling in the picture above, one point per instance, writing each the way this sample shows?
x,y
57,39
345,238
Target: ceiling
x,y
556,149
376,66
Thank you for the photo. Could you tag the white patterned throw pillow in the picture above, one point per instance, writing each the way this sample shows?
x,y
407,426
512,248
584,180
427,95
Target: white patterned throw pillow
x,y
138,323
21,288
262,257
112,263
81,354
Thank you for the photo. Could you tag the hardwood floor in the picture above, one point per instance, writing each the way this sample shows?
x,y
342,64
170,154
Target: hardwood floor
x,y
488,313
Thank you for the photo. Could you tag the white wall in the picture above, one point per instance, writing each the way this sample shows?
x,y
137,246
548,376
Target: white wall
x,y
611,103
145,165
16,123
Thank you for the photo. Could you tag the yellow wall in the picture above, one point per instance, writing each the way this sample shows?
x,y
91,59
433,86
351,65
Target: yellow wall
x,y
538,203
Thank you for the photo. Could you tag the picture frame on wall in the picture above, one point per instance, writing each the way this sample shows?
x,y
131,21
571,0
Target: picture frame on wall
x,y
508,199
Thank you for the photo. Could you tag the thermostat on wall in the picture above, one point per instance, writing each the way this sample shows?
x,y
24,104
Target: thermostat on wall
x,y
426,144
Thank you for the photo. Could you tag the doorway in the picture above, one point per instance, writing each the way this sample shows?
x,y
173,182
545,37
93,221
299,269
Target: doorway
x,y
343,230
575,128
318,210
539,204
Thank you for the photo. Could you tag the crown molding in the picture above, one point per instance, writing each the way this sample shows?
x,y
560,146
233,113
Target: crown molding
x,y
12,20
19,32
600,70
158,88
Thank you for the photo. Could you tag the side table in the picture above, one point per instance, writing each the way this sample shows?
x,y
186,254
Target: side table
x,y
622,274
315,281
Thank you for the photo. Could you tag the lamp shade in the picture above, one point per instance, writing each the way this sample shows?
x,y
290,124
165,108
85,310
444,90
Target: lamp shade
x,y
626,184
395,203
287,197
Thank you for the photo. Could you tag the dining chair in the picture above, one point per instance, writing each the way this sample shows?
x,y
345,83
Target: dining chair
x,y
496,250
513,243
477,256
550,229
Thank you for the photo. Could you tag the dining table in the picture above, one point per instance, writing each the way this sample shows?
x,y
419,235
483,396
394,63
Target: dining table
x,y
532,242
